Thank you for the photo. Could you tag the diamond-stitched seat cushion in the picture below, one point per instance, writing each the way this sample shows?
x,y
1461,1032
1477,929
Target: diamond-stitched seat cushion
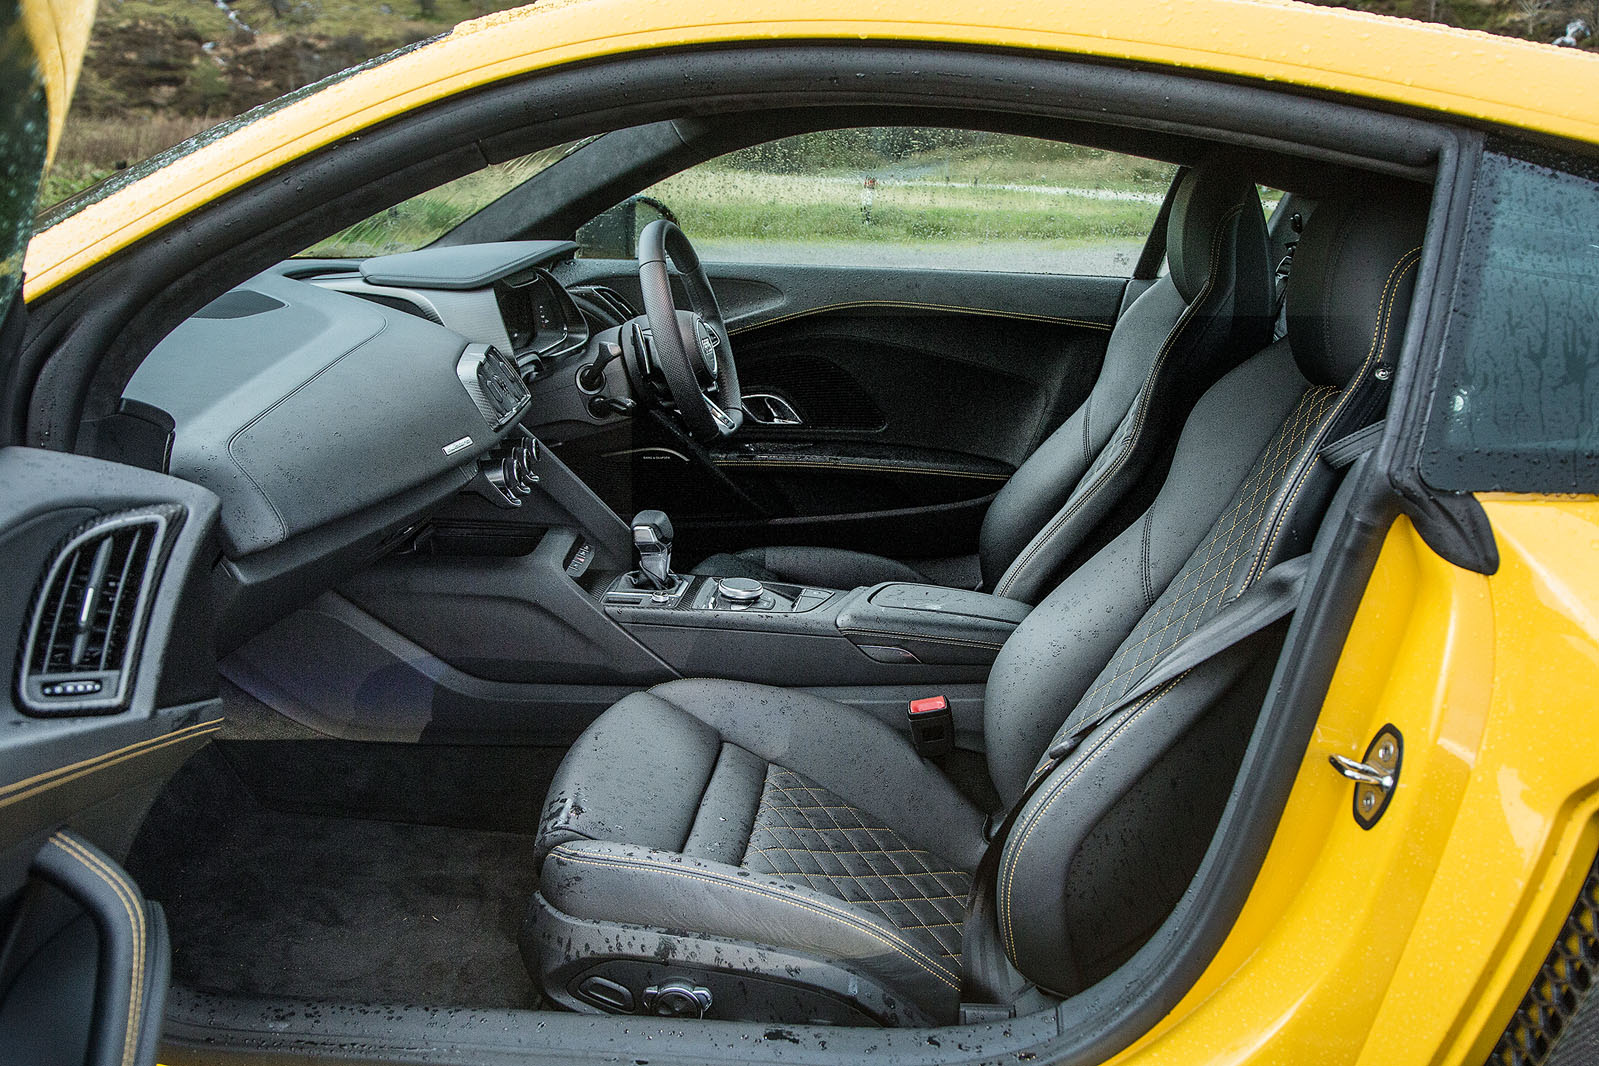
x,y
804,832
769,817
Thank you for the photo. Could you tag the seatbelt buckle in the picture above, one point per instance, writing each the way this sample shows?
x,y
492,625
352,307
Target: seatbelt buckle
x,y
932,726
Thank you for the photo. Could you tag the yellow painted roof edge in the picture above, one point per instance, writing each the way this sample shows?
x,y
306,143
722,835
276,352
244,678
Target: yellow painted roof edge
x,y
1499,80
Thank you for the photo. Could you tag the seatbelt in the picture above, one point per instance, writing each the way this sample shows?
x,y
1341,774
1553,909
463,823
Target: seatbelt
x,y
1285,266
985,971
1351,446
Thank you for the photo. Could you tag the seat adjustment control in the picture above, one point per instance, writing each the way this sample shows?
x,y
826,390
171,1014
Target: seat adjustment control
x,y
677,998
606,994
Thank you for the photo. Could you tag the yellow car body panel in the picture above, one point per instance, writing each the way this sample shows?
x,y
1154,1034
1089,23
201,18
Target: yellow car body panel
x,y
1455,72
59,32
1413,942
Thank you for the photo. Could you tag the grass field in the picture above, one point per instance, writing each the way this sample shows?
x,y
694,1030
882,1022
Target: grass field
x,y
721,205
93,149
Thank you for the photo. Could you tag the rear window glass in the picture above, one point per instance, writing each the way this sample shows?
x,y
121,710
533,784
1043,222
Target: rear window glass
x,y
1517,406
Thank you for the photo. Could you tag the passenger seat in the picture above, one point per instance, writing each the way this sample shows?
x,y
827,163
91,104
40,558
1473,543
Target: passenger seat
x,y
1212,309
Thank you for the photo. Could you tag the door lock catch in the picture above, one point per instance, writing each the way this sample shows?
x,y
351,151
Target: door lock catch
x,y
1376,775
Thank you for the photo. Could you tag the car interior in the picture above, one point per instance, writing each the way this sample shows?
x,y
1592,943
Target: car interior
x,y
610,624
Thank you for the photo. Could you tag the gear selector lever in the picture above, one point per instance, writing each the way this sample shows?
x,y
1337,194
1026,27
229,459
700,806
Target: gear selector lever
x,y
652,539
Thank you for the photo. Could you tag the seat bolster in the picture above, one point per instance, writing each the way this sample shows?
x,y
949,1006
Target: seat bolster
x,y
637,774
1028,576
726,815
842,749
1044,484
1060,913
666,890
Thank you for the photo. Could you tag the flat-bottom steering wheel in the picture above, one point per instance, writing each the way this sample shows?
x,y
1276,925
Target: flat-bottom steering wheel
x,y
688,350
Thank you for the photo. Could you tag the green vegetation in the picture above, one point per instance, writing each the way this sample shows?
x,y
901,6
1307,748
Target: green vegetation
x,y
745,206
423,218
932,187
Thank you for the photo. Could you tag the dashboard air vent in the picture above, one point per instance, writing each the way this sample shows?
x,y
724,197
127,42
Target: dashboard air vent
x,y
494,382
82,642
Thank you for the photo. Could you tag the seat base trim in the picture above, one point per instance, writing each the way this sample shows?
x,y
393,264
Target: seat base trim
x,y
748,982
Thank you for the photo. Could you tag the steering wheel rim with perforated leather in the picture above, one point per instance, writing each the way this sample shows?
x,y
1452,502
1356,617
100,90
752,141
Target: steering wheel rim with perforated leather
x,y
691,350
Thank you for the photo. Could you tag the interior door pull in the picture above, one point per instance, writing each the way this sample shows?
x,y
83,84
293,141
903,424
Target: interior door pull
x,y
135,956
769,410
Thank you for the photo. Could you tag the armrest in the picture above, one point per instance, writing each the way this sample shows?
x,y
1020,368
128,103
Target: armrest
x,y
929,623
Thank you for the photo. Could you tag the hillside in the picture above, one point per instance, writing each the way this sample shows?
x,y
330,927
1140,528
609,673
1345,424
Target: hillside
x,y
160,70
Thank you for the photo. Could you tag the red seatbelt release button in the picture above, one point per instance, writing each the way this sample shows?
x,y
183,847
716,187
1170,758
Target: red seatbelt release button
x,y
932,726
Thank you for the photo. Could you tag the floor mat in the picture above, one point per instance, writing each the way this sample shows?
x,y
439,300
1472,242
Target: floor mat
x,y
262,902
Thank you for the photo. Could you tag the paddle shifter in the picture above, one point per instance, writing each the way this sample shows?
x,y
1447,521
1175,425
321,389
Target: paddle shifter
x,y
652,539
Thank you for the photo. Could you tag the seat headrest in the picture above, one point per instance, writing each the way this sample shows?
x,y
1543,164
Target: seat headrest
x,y
1205,204
1353,275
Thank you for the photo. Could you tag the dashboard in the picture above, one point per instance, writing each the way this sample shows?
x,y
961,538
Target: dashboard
x,y
331,404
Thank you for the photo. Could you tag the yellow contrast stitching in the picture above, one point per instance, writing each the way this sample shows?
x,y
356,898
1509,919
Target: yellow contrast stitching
x,y
909,951
135,914
1054,794
907,903
100,762
1386,302
1013,573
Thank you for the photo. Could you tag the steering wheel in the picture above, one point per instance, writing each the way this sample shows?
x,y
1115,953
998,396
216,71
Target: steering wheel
x,y
688,350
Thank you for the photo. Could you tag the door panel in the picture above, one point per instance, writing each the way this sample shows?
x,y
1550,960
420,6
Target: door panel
x,y
901,393
112,685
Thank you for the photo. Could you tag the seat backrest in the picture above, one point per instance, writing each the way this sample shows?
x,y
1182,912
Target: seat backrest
x,y
1090,878
1212,308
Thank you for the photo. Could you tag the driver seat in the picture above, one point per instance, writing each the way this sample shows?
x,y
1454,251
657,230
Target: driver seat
x,y
1211,310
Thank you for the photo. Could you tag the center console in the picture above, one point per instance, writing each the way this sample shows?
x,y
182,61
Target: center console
x,y
538,639
781,634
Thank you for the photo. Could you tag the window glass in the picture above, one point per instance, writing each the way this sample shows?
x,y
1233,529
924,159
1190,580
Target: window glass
x,y
426,217
1517,405
24,126
912,197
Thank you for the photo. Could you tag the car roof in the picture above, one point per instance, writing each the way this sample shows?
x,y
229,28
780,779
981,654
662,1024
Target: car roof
x,y
1465,74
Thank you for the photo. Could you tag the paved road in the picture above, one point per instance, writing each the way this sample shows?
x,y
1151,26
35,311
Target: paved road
x,y
1110,258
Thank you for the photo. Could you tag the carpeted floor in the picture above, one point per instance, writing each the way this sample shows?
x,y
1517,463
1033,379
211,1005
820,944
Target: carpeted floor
x,y
262,902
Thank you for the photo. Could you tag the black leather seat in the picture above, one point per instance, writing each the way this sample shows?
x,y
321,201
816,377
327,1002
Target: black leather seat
x,y
1211,310
798,861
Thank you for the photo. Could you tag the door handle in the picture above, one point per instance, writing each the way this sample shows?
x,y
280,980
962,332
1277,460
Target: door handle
x,y
765,409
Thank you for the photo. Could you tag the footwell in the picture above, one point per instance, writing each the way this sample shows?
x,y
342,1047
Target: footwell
x,y
262,902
